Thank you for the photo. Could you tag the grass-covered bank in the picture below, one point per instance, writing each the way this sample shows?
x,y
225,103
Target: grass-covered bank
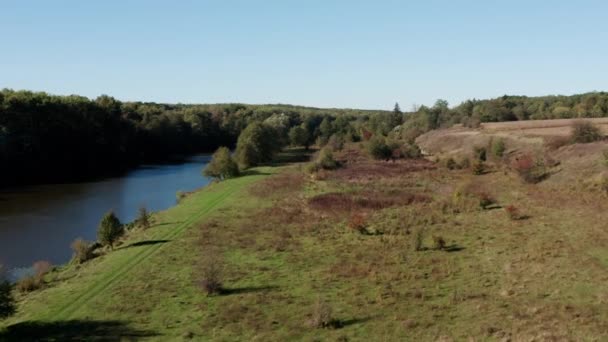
x,y
146,282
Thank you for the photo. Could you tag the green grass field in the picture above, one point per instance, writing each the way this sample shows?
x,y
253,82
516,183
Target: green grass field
x,y
288,241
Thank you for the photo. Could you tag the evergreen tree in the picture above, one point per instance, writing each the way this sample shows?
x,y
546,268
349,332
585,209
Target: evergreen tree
x,y
7,302
397,109
109,229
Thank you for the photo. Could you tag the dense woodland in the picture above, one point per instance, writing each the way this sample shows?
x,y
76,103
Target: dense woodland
x,y
60,138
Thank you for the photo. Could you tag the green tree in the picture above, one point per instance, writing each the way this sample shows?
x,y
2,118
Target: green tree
x,y
109,229
326,128
7,302
298,136
397,109
256,145
222,165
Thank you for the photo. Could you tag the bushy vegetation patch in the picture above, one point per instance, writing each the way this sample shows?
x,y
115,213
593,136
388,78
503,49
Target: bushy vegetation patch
x,y
280,184
34,281
349,202
222,165
324,161
585,132
498,148
530,169
513,212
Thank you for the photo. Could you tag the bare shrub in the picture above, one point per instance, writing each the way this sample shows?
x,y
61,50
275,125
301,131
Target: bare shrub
x,y
418,238
358,222
181,195
211,269
605,157
480,153
451,164
282,241
585,132
513,212
465,163
41,268
478,167
82,250
322,316
143,217
485,199
604,184
28,284
35,281
439,242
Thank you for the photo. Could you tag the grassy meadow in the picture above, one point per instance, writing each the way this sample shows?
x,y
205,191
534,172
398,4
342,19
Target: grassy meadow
x,y
379,250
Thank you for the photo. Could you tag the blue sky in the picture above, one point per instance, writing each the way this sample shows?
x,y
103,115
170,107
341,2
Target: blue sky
x,y
361,54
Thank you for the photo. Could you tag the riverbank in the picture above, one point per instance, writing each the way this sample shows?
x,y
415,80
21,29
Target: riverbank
x,y
105,292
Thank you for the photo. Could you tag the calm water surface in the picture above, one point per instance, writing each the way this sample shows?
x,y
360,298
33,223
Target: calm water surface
x,y
40,222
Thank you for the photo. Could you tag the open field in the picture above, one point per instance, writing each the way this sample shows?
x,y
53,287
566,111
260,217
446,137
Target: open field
x,y
403,250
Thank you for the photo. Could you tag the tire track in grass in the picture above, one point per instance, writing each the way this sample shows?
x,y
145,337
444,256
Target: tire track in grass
x,y
88,294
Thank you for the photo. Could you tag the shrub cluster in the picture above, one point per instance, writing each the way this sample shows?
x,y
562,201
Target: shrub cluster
x,y
35,281
480,153
379,149
585,132
222,165
530,169
498,148
324,161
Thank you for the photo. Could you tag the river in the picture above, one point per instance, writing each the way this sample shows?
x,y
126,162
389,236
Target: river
x,y
40,222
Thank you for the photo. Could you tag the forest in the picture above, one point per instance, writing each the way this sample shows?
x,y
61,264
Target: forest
x,y
63,138
47,137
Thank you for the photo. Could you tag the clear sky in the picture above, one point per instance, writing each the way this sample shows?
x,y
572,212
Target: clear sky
x,y
363,54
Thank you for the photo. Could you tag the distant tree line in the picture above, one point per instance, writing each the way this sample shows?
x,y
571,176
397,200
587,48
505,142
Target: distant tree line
x,y
46,137
472,113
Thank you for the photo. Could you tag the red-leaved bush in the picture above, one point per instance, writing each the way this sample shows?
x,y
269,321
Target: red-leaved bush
x,y
513,212
530,169
358,222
